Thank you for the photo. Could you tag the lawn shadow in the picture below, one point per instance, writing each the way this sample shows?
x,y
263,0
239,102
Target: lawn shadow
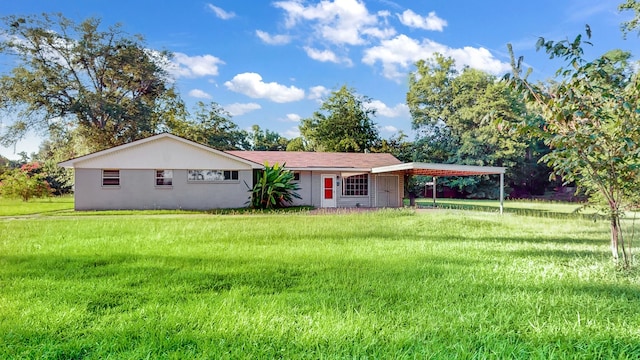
x,y
516,211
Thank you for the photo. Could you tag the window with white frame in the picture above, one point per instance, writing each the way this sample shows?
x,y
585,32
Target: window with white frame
x,y
212,175
355,185
164,177
110,177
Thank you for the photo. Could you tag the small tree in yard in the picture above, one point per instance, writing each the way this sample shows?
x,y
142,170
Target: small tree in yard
x,y
274,188
24,183
591,122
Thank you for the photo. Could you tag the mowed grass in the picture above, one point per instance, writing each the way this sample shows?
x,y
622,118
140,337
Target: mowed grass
x,y
539,208
42,206
387,284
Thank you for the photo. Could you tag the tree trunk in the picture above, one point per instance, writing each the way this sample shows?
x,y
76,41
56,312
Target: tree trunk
x,y
625,256
412,200
614,237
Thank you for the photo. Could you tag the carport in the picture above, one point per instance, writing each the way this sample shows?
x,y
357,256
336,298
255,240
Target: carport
x,y
444,170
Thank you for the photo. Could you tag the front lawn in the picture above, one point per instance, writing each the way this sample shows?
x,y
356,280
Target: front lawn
x,y
42,206
386,284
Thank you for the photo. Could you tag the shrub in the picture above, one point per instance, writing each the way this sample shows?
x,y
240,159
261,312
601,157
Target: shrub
x,y
274,188
24,183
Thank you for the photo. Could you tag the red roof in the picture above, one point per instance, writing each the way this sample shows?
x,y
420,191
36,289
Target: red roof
x,y
300,159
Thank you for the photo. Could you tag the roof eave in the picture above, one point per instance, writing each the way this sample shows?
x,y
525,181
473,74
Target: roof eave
x,y
449,169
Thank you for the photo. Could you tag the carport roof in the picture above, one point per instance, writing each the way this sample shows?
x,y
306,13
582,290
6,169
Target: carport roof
x,y
440,170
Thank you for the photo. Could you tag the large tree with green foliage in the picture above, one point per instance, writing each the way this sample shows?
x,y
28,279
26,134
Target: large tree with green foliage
x,y
591,121
209,125
104,85
452,111
342,124
266,140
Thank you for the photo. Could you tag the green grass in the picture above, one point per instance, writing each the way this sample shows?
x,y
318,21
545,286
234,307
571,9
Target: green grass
x,y
388,284
540,208
17,207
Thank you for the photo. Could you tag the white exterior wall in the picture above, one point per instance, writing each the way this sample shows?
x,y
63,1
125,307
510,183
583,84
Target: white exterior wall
x,y
138,161
341,201
137,190
306,186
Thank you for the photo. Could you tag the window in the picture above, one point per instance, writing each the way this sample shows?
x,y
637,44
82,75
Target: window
x,y
212,175
164,177
355,185
110,177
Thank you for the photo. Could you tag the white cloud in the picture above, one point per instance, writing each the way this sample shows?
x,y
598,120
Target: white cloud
x,y
237,109
321,55
338,21
197,93
251,84
184,65
380,33
326,56
398,54
388,128
292,133
383,110
273,39
429,22
220,13
318,92
292,118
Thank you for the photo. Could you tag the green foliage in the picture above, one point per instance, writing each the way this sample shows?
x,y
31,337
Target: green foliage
x,y
634,23
591,123
453,111
24,183
106,86
210,125
266,140
274,188
379,285
343,124
296,144
398,146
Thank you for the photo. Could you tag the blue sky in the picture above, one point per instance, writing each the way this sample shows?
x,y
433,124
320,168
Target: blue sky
x,y
272,62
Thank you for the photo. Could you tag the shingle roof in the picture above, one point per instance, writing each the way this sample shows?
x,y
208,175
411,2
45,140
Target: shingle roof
x,y
302,160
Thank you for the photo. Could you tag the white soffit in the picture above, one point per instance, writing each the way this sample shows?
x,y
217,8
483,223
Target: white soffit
x,y
429,169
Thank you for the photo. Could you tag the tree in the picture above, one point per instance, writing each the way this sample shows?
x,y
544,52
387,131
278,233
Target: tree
x,y
210,125
634,23
60,146
591,120
24,183
105,85
296,144
398,146
267,140
274,188
452,112
343,124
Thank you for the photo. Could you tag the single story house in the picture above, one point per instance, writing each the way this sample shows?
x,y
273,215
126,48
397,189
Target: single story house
x,y
169,172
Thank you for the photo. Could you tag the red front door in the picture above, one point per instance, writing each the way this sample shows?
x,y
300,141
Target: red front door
x,y
328,191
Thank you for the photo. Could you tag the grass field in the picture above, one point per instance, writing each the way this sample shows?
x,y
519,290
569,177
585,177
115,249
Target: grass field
x,y
387,284
46,206
520,207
